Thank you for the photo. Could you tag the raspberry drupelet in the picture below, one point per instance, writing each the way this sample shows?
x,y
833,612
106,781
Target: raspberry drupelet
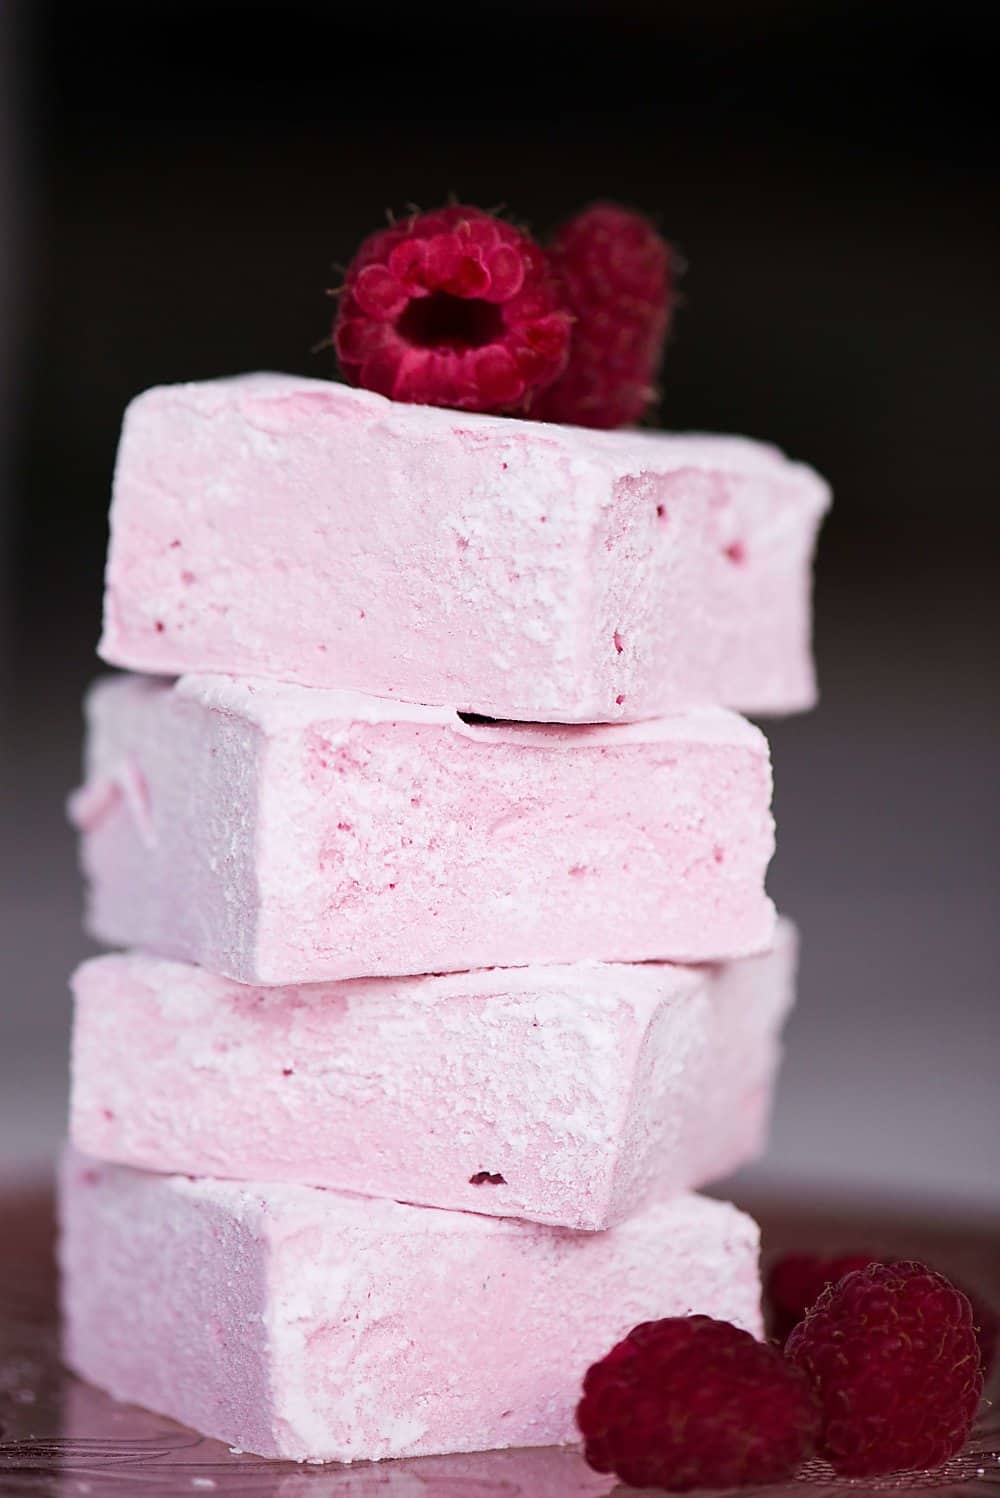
x,y
453,308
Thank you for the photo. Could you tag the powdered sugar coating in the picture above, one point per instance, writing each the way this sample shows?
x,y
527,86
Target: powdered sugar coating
x,y
294,1322
567,1095
279,834
297,529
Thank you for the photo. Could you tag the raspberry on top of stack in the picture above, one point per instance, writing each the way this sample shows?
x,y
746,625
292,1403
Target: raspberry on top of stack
x,y
418,538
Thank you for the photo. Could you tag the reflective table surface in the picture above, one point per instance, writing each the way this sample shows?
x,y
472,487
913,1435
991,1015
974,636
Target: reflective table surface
x,y
60,1437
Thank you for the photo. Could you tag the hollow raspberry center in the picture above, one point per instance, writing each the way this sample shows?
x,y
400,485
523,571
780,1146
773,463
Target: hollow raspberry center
x,y
443,321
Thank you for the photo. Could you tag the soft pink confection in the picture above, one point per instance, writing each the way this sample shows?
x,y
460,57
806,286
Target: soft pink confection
x,y
296,1322
567,1095
290,528
280,834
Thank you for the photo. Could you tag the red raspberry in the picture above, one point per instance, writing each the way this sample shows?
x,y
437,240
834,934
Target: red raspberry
x,y
453,308
797,1281
893,1354
694,1403
619,278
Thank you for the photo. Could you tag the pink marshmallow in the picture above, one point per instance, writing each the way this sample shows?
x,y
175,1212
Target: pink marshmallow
x,y
297,529
567,1095
278,834
295,1322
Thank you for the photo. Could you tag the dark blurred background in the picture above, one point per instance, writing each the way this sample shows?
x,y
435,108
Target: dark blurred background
x,y
176,182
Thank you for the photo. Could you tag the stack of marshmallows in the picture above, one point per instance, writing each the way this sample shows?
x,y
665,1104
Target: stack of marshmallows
x,y
437,853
